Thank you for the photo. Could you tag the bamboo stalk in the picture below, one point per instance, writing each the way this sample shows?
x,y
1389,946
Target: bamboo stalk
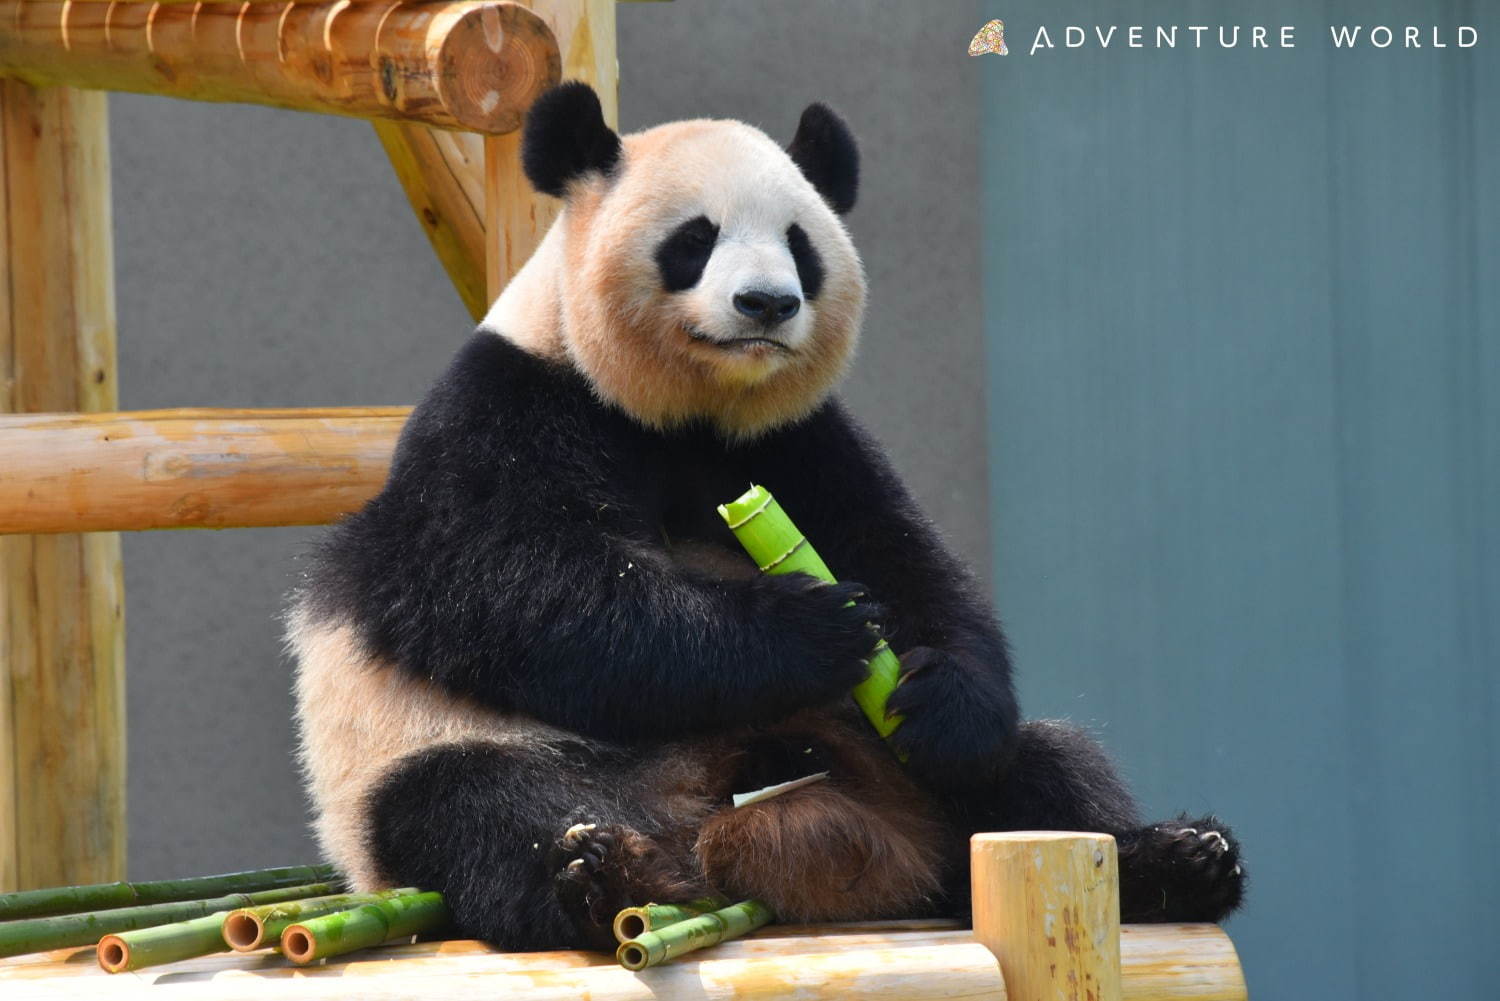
x,y
362,927
656,947
460,65
99,896
777,547
632,922
191,468
135,950
63,930
251,928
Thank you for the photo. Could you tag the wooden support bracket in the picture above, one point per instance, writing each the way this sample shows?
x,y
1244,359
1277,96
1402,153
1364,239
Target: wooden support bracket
x,y
459,65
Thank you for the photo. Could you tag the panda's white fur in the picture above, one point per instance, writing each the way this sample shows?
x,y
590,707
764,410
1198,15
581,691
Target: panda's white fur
x,y
590,296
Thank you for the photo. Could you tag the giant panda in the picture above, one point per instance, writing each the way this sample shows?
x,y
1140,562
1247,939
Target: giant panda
x,y
534,668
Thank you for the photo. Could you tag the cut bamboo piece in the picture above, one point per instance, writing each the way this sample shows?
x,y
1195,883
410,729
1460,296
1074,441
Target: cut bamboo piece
x,y
653,948
778,547
364,926
442,174
516,217
1047,904
635,921
251,928
191,468
136,950
62,638
63,930
460,65
101,896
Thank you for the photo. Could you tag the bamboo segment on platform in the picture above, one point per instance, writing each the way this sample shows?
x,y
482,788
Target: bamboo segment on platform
x,y
443,176
1047,904
60,931
516,217
191,468
400,916
62,639
100,896
136,950
460,65
251,928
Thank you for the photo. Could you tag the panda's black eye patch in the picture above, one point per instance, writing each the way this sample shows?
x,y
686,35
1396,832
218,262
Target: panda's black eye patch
x,y
683,255
809,264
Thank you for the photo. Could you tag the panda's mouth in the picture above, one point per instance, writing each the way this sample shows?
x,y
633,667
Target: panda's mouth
x,y
751,343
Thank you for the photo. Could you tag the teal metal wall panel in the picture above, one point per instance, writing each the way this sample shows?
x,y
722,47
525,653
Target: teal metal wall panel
x,y
1244,348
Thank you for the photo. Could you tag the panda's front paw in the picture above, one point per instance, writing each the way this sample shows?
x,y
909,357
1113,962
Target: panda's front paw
x,y
959,720
1181,870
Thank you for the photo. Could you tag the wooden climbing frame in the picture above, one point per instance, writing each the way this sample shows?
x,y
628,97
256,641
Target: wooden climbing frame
x,y
445,83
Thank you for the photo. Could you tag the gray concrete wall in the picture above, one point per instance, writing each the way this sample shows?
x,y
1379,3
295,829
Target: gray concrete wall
x,y
269,258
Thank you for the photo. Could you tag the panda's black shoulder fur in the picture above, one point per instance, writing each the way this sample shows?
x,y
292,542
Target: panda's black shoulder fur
x,y
516,555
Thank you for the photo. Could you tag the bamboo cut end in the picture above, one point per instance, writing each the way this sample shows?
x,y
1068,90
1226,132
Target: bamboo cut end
x,y
243,931
493,64
298,944
633,956
113,953
630,923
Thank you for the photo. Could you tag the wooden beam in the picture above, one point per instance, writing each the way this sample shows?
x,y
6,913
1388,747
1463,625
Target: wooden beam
x,y
516,217
461,65
62,705
1047,904
443,175
191,468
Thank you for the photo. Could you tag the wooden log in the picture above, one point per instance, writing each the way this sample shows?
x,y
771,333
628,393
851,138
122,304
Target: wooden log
x,y
1047,904
1160,963
516,217
460,65
443,176
191,468
62,653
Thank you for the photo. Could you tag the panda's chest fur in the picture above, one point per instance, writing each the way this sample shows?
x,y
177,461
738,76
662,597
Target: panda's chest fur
x,y
691,474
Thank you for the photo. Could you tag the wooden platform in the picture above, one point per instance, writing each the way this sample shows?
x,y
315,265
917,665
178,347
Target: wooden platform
x,y
877,961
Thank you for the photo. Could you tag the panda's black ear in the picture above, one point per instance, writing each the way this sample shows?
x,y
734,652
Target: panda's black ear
x,y
566,138
825,150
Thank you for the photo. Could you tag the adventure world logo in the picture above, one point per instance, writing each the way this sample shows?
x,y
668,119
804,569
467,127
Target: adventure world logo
x,y
990,38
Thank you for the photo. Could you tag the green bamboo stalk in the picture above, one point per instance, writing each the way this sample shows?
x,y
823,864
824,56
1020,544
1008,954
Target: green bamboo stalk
x,y
63,930
133,950
251,928
363,926
634,921
656,947
99,896
777,547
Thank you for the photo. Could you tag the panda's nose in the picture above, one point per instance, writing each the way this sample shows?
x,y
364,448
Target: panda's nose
x,y
769,308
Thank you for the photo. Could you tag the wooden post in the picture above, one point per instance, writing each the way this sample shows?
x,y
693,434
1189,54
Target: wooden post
x,y
464,64
62,705
1047,904
516,218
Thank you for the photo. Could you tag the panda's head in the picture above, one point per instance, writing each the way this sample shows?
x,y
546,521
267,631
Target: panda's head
x,y
704,273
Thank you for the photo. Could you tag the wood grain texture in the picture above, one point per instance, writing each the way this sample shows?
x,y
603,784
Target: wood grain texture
x,y
62,737
516,217
443,176
1048,906
191,468
462,65
1160,963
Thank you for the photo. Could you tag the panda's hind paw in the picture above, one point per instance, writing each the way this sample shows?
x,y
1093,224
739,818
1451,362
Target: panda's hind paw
x,y
600,869
1181,870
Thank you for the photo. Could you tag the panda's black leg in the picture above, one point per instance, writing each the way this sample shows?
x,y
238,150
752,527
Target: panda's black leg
x,y
1060,779
532,847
